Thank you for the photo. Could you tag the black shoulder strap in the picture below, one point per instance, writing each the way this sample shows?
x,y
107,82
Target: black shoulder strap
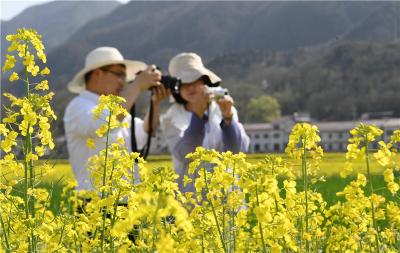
x,y
145,151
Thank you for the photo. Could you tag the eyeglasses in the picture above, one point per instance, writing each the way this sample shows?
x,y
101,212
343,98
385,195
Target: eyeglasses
x,y
115,73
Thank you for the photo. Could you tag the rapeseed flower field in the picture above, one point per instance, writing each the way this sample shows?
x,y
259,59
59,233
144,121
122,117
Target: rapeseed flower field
x,y
273,203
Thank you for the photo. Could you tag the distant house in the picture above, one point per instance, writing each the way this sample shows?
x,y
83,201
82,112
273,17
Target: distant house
x,y
273,137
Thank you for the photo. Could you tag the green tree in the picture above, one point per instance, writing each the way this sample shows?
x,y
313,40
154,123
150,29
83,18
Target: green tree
x,y
263,109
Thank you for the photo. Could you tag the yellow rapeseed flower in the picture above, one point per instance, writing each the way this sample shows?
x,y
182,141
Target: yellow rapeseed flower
x,y
43,85
14,77
9,141
9,63
90,143
393,187
45,71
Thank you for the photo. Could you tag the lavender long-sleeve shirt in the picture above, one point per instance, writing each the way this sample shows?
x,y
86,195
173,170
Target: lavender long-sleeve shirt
x,y
184,131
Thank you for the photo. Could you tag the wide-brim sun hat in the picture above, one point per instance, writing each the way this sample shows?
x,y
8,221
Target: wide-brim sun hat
x,y
189,67
103,56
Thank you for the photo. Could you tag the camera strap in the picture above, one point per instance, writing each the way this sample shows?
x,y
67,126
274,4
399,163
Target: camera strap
x,y
145,151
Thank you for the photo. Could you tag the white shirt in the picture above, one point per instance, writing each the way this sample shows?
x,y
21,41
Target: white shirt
x,y
80,125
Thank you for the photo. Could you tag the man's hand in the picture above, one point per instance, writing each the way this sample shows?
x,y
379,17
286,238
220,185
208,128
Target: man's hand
x,y
150,77
159,94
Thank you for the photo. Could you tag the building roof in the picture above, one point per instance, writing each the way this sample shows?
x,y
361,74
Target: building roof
x,y
325,126
257,126
347,125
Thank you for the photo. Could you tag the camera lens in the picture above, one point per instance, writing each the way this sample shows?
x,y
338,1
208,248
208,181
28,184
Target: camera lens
x,y
171,83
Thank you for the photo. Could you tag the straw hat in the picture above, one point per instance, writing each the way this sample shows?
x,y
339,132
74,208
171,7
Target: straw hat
x,y
189,67
103,56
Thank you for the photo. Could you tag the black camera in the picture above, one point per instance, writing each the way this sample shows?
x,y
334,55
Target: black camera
x,y
172,83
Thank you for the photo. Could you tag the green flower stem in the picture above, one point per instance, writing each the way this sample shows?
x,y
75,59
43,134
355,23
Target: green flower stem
x,y
301,231
155,220
29,175
29,179
372,191
5,234
103,193
115,207
224,232
26,149
232,211
113,217
26,74
76,239
61,234
202,243
276,201
214,213
26,184
112,172
305,182
260,225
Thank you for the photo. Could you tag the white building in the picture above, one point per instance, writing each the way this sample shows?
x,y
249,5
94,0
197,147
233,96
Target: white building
x,y
273,137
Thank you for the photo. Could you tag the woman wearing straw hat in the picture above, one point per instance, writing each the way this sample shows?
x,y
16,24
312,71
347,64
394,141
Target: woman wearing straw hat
x,y
195,119
106,72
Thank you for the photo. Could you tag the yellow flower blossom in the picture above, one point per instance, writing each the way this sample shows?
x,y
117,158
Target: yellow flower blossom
x,y
3,129
14,77
102,130
165,245
121,141
31,157
90,143
9,141
45,71
388,175
276,249
393,187
290,186
43,85
9,63
40,150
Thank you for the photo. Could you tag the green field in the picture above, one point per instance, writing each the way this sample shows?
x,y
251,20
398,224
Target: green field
x,y
331,165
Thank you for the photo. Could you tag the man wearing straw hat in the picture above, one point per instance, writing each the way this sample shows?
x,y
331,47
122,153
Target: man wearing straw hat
x,y
106,72
196,118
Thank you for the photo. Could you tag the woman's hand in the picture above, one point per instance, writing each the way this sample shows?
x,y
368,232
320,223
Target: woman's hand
x,y
225,105
201,101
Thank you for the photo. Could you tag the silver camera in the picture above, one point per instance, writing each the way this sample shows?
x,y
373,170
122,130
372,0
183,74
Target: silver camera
x,y
219,92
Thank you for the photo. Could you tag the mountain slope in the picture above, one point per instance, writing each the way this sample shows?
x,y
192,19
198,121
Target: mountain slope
x,y
155,31
57,21
332,83
381,25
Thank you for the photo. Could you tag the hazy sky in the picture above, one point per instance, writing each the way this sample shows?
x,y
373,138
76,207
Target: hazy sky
x,y
11,8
